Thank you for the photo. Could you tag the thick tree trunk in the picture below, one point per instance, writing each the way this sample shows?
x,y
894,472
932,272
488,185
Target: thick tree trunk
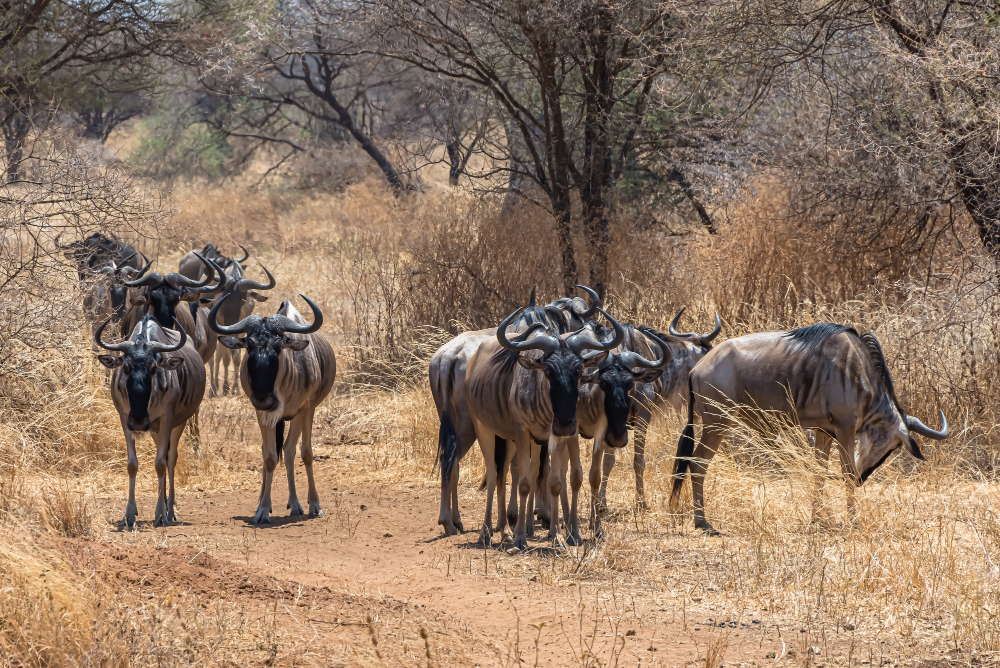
x,y
454,161
562,211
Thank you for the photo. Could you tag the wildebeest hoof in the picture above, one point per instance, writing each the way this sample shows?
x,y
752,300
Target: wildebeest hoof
x,y
459,526
449,528
161,521
296,508
171,517
315,510
521,543
573,541
559,543
263,516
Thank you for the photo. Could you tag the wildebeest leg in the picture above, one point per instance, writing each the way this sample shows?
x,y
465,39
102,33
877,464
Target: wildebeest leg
x,y
504,519
823,443
269,453
307,462
512,504
175,441
608,462
575,482
527,466
216,358
846,435
133,467
288,448
540,507
595,483
162,439
711,437
638,461
487,444
556,481
237,387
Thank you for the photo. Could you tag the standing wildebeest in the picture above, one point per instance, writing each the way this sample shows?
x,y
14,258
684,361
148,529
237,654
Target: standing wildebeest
x,y
667,389
232,311
527,398
287,372
161,296
157,384
97,251
194,269
606,402
826,377
446,372
106,296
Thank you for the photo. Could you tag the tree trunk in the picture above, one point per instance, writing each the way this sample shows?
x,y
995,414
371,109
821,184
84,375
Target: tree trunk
x,y
454,161
14,134
982,202
562,211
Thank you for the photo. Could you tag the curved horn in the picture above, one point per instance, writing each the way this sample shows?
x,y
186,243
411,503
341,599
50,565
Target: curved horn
x,y
114,347
231,330
289,325
153,280
182,281
248,284
583,341
915,425
673,327
545,342
707,338
595,302
141,272
531,297
158,347
631,359
246,256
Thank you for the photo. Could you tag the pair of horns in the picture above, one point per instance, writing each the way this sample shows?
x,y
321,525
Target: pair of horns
x,y
154,346
595,301
284,323
704,338
631,359
578,342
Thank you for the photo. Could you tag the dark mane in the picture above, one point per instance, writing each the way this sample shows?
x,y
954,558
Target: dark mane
x,y
813,336
877,357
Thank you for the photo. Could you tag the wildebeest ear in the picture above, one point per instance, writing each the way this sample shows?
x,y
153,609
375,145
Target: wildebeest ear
x,y
529,363
294,344
110,361
169,363
232,342
911,446
596,360
258,296
646,375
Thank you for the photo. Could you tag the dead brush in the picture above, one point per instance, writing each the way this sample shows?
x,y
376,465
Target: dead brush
x,y
65,512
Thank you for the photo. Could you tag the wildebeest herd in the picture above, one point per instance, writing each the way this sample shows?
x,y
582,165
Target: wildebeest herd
x,y
525,390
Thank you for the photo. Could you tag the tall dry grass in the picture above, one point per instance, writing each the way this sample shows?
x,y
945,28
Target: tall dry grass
x,y
396,276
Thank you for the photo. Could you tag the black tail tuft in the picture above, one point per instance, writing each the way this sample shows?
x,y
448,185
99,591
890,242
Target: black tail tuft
x,y
279,438
447,447
685,448
499,458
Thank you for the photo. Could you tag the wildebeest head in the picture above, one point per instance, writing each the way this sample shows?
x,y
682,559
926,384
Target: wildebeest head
x,y
141,357
616,376
886,426
164,293
264,340
562,363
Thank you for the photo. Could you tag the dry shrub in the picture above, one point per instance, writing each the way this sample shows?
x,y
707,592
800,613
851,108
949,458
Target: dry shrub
x,y
65,512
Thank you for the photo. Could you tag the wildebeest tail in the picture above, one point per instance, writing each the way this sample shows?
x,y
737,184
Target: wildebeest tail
x,y
499,458
279,438
685,448
447,446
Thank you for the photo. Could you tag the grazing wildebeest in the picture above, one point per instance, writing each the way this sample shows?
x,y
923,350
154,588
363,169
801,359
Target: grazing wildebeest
x,y
158,382
287,372
97,251
194,269
826,377
669,389
531,398
233,310
446,372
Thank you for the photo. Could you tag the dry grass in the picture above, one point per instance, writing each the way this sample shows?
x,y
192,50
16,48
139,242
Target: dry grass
x,y
917,568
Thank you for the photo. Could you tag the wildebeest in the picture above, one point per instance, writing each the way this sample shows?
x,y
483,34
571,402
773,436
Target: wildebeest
x,y
668,389
446,373
194,269
233,310
826,377
287,372
524,397
105,296
160,296
157,383
98,250
606,402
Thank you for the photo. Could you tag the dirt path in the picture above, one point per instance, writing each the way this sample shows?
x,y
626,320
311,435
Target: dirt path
x,y
378,553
